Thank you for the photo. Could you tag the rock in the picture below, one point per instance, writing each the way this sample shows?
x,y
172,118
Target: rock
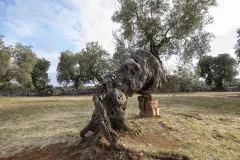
x,y
148,107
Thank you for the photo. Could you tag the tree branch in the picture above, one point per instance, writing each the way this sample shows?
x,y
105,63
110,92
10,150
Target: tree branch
x,y
144,30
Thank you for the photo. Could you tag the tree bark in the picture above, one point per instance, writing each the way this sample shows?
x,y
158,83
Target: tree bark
x,y
218,85
142,72
76,83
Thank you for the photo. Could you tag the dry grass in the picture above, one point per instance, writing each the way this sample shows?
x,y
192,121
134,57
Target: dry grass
x,y
203,125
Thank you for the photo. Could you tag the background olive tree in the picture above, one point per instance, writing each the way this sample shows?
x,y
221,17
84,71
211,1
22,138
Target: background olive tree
x,y
88,65
217,70
24,60
20,64
39,74
188,79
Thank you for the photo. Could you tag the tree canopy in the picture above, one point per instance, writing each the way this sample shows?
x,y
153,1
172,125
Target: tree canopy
x,y
39,74
217,70
68,69
122,51
24,60
166,27
187,78
237,47
88,65
19,63
5,68
96,61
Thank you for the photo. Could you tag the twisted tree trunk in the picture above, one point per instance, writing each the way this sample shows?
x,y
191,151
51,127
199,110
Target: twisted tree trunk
x,y
142,72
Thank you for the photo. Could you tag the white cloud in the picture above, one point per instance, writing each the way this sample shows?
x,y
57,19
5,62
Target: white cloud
x,y
95,20
78,22
225,16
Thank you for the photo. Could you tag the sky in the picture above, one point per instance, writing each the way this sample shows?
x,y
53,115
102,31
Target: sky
x,y
52,26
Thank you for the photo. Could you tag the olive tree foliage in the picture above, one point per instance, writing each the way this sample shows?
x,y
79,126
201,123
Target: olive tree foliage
x,y
69,70
19,63
237,47
96,61
217,70
39,74
122,51
88,65
187,78
166,27
24,60
5,62
184,78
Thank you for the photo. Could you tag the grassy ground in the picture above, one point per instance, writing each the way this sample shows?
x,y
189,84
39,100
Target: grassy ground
x,y
199,125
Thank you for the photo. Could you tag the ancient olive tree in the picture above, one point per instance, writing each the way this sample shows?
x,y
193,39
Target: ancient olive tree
x,y
88,65
217,70
39,74
166,27
140,73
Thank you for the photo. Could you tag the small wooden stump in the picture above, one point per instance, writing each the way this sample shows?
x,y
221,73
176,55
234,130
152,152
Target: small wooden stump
x,y
148,106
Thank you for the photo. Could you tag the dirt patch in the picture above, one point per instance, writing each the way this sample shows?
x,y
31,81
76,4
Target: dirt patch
x,y
56,152
234,96
63,152
153,138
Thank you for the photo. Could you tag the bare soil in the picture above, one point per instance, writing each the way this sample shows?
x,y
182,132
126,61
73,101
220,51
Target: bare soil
x,y
62,151
153,138
55,152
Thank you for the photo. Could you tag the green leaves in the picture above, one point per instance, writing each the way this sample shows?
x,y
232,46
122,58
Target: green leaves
x,y
237,47
122,51
88,65
5,55
218,69
39,74
166,24
67,67
188,80
21,64
96,61
24,62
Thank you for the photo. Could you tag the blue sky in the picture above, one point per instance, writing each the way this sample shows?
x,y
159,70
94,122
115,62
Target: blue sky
x,y
52,26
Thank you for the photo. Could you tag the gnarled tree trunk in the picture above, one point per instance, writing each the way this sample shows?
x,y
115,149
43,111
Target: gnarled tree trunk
x,y
141,73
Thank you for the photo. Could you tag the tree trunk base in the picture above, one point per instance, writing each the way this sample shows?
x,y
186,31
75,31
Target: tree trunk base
x,y
103,133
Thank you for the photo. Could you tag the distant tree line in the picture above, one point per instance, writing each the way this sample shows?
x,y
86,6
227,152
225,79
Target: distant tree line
x,y
20,66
